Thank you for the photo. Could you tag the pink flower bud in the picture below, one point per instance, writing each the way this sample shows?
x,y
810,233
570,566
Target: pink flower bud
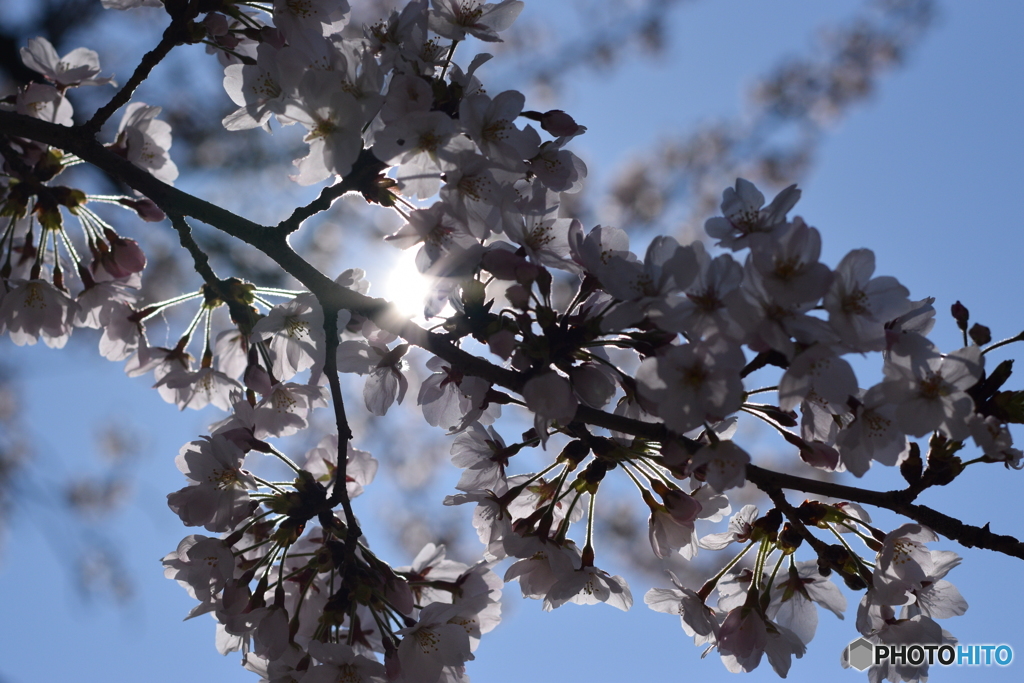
x,y
559,124
146,208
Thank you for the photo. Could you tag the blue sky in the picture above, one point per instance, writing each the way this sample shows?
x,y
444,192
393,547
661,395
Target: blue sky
x,y
926,174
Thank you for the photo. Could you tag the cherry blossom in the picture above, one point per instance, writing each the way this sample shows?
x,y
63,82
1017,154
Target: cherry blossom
x,y
81,66
745,222
435,642
217,498
285,410
724,464
35,309
670,527
360,469
455,19
295,332
793,597
692,383
144,141
929,391
669,341
746,635
697,619
859,305
589,586
338,661
46,103
202,566
334,121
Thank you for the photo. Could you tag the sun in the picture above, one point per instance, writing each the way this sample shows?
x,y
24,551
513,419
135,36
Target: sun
x,y
405,286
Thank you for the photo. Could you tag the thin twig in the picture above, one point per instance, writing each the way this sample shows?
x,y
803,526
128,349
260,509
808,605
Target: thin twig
x,y
333,297
966,535
363,174
173,36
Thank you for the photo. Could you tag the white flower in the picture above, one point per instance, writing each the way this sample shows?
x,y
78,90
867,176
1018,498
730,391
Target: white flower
x,y
558,169
692,383
906,570
667,269
542,564
793,594
746,635
738,531
490,519
36,309
697,618
482,453
430,565
454,19
670,526
322,463
324,16
788,264
452,400
726,465
819,372
218,496
386,381
596,251
476,191
931,394
334,120
41,101
144,141
121,334
78,67
589,586
872,435
201,388
257,90
703,309
339,662
994,439
745,223
295,333
202,565
433,643
490,123
771,325
230,352
859,306
97,303
550,397
286,409
416,144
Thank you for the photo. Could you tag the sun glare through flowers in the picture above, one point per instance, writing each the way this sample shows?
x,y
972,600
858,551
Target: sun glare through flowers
x,y
405,286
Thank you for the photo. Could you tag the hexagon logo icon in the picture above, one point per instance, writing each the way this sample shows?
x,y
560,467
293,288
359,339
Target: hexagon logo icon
x,y
861,654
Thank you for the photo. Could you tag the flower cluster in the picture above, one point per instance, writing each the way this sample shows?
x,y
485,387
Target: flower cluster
x,y
639,370
38,257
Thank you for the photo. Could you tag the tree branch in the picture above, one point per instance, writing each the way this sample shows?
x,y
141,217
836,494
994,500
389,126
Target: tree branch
x,y
362,178
200,261
269,240
274,243
897,501
174,35
339,494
